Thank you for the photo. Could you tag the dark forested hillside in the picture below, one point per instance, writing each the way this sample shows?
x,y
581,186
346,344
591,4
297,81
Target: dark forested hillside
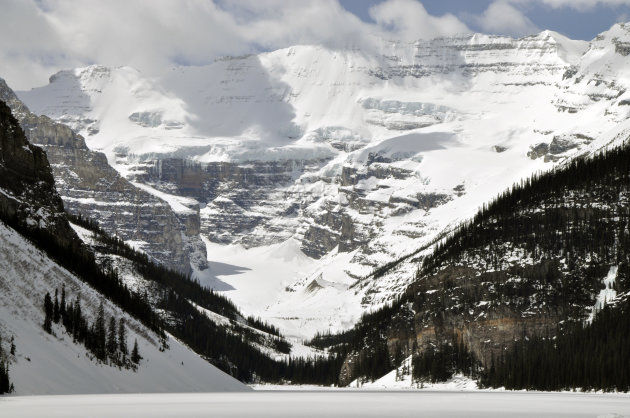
x,y
528,268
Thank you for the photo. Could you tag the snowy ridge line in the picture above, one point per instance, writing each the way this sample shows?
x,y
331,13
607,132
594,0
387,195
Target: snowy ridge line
x,y
10,195
297,349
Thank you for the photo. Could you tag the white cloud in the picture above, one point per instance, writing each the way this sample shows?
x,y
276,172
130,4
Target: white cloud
x,y
29,45
145,34
503,18
40,37
154,35
408,20
280,23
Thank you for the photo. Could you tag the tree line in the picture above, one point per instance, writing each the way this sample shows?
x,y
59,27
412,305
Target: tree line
x,y
231,348
439,363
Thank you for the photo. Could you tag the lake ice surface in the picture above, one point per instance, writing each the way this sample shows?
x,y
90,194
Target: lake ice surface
x,y
334,403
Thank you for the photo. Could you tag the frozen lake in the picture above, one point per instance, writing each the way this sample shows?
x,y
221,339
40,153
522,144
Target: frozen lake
x,y
322,404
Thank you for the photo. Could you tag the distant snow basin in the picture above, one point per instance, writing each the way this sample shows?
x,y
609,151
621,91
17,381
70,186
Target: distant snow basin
x,y
335,403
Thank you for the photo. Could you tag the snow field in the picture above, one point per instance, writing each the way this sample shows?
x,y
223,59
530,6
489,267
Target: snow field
x,y
346,403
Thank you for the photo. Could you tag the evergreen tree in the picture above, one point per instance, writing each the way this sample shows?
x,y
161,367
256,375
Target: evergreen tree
x,y
112,344
48,313
586,356
5,383
12,345
122,339
76,318
56,313
62,305
100,334
135,354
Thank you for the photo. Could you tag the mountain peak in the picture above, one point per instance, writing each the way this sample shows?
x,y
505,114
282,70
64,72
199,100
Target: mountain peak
x,y
354,152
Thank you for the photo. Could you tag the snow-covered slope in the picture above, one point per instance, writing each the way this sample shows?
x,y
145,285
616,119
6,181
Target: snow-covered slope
x,y
47,364
353,160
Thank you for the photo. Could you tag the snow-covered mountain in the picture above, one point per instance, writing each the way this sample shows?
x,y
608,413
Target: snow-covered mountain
x,y
37,241
311,167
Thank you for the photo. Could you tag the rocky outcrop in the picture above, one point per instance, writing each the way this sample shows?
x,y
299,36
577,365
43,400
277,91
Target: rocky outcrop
x,y
538,150
328,231
89,186
622,48
559,147
206,181
28,198
348,370
403,116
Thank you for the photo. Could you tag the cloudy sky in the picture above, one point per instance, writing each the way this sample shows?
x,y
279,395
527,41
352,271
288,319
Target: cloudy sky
x,y
40,37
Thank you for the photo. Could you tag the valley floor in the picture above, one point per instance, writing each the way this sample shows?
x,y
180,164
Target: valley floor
x,y
335,403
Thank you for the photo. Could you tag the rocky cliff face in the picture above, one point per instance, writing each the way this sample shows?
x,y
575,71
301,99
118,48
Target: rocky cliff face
x,y
460,304
89,186
249,204
28,198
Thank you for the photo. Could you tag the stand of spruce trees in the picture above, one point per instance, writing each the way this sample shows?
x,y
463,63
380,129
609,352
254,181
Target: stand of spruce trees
x,y
227,348
82,263
108,344
577,211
